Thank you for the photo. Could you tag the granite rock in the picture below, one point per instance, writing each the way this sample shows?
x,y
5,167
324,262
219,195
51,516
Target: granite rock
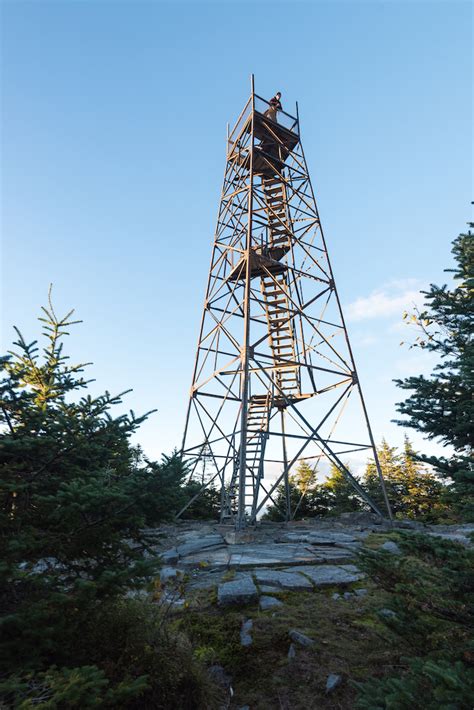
x,y
387,613
300,638
167,573
169,557
197,544
333,681
285,579
238,591
390,546
269,603
245,637
327,575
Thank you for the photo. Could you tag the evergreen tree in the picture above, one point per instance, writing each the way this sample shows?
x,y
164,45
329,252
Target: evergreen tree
x,y
413,491
423,492
277,511
442,406
304,477
207,505
429,592
340,494
391,465
74,495
307,497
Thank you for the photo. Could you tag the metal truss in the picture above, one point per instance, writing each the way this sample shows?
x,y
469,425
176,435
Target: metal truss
x,y
274,378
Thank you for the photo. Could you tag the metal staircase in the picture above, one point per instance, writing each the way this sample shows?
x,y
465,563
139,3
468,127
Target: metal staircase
x,y
279,226
258,413
275,293
281,336
257,428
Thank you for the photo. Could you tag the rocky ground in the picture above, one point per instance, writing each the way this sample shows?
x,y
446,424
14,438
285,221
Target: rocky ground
x,y
295,556
277,589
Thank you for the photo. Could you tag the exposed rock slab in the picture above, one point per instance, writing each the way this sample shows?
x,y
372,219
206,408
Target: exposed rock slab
x,y
327,575
332,554
170,557
197,543
267,555
391,546
285,579
301,639
269,588
316,538
167,573
245,637
333,681
215,558
205,580
269,603
238,591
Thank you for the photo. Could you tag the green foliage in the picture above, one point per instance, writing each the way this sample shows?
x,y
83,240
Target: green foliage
x,y
84,687
431,593
341,495
432,585
299,501
132,662
207,504
442,406
307,497
74,496
426,685
412,489
304,477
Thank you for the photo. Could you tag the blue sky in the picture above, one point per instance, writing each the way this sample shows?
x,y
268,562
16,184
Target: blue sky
x,y
113,146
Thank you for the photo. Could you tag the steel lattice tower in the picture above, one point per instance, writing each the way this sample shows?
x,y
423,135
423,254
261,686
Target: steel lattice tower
x,y
274,377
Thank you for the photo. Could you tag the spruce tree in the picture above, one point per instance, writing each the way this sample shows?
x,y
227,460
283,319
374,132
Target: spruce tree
x,y
308,498
423,491
413,490
442,406
207,505
74,495
429,592
303,484
341,495
313,497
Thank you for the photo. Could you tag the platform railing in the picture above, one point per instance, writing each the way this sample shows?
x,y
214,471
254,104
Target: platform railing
x,y
282,117
235,133
260,105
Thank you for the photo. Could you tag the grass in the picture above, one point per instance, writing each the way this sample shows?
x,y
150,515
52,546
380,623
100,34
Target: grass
x,y
349,641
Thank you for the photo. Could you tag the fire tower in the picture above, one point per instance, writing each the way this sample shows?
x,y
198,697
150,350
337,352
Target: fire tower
x,y
274,378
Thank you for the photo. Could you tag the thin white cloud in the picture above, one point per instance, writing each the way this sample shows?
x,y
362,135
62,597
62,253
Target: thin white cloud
x,y
363,340
388,300
419,362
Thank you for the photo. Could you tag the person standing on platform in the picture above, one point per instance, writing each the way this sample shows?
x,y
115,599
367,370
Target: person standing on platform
x,y
275,105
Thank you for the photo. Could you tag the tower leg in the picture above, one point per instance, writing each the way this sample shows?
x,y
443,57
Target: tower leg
x,y
286,472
